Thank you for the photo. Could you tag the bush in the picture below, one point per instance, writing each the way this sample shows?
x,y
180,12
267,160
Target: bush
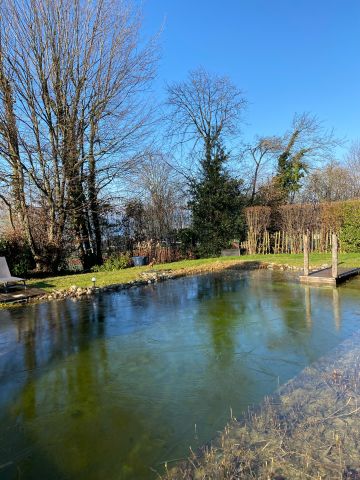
x,y
114,262
17,254
350,230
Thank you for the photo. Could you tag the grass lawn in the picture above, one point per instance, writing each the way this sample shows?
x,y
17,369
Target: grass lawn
x,y
124,276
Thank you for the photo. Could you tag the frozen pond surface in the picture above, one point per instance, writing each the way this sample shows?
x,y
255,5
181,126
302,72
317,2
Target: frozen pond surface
x,y
111,386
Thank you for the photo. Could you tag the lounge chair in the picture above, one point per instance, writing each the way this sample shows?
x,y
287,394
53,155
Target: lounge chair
x,y
5,275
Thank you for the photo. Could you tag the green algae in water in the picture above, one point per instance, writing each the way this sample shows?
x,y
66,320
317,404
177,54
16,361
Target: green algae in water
x,y
113,386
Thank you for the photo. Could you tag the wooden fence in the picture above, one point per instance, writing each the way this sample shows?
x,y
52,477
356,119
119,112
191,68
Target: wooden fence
x,y
283,242
280,229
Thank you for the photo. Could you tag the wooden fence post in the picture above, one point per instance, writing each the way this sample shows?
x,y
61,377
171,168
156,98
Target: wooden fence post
x,y
334,256
306,254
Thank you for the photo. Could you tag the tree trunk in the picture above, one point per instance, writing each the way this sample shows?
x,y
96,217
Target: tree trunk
x,y
93,199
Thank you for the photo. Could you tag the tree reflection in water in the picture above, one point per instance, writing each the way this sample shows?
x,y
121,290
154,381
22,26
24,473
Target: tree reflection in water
x,y
110,386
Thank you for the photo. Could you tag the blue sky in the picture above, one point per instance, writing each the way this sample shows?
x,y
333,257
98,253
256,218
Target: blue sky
x,y
288,56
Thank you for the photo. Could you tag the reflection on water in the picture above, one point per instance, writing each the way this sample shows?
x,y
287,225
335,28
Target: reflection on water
x,y
112,386
336,308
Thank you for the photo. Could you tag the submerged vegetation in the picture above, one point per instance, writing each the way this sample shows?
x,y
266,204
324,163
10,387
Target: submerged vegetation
x,y
143,367
310,429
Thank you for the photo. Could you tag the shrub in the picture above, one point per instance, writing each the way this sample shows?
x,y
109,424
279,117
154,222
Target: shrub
x,y
114,262
17,254
350,230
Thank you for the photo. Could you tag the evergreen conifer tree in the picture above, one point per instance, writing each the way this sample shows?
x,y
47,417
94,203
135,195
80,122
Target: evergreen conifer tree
x,y
216,203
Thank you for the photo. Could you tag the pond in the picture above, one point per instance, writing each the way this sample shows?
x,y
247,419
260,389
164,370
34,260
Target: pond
x,y
112,386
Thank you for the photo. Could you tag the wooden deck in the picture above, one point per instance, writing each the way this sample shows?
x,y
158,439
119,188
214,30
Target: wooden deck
x,y
324,277
19,294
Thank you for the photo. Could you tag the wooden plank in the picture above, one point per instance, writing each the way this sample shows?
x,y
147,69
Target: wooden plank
x,y
325,276
306,254
334,256
318,280
349,273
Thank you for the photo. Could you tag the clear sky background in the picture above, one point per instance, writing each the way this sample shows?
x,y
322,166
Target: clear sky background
x,y
287,56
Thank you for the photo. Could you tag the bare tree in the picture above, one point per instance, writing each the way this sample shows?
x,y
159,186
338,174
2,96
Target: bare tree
x,y
306,144
163,195
72,112
352,163
309,137
258,159
5,221
204,108
333,182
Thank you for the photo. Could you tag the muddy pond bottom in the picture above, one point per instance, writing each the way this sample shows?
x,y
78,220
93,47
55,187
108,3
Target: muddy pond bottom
x,y
113,386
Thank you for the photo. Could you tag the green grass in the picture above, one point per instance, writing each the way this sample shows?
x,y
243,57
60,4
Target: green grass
x,y
129,274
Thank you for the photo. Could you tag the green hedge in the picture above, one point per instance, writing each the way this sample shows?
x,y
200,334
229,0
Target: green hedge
x,y
350,230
